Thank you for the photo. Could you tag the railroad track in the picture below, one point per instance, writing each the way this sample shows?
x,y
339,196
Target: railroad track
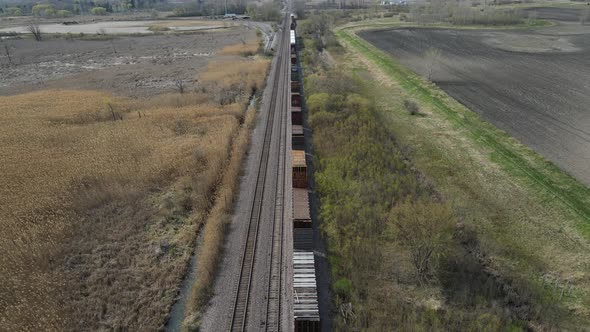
x,y
240,310
275,281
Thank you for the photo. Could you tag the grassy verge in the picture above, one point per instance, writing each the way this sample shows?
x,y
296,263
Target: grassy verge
x,y
513,156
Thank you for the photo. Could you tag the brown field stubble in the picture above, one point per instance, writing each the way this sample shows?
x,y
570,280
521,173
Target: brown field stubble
x,y
100,201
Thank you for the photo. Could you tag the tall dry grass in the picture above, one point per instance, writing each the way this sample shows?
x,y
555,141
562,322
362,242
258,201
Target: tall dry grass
x,y
247,48
252,73
58,165
214,229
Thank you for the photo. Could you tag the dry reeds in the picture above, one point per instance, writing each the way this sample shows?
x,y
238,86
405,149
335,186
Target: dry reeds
x,y
62,158
214,229
101,198
246,48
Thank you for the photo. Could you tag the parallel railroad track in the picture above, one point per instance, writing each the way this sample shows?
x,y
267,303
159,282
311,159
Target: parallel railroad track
x,y
240,310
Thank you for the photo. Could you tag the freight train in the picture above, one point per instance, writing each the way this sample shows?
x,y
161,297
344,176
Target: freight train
x,y
305,297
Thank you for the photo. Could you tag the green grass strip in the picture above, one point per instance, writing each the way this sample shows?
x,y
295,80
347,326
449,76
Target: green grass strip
x,y
556,182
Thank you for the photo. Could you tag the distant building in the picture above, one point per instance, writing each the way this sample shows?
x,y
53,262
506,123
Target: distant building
x,y
394,2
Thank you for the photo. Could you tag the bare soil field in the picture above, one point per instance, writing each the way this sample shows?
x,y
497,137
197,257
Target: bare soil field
x,y
532,83
109,171
131,66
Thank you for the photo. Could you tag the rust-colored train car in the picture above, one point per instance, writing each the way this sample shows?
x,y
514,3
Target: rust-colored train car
x,y
299,169
295,100
301,216
296,116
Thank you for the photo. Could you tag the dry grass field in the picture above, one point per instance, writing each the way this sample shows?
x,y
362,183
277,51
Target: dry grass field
x,y
101,197
246,48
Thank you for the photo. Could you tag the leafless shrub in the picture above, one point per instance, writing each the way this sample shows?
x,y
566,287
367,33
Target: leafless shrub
x,y
432,56
426,229
7,50
35,30
411,107
179,85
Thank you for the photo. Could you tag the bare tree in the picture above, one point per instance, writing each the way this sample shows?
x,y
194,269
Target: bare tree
x,y
426,230
432,57
7,50
35,30
180,86
113,46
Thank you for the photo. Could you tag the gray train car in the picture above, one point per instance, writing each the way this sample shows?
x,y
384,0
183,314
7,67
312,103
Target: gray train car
x,y
305,295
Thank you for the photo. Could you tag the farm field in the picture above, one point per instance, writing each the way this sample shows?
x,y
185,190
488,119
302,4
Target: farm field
x,y
111,168
531,83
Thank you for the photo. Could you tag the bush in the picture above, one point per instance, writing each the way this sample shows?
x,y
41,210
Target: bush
x,y
426,229
13,11
99,11
343,289
43,10
411,107
64,13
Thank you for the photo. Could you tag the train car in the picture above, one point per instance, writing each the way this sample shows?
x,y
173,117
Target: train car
x,y
303,239
295,87
293,38
295,76
295,99
299,169
301,216
305,295
297,138
296,116
293,22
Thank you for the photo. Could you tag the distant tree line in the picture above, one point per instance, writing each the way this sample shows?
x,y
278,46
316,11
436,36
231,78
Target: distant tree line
x,y
79,7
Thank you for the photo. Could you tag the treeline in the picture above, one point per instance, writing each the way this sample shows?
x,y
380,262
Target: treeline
x,y
462,13
264,11
79,7
400,256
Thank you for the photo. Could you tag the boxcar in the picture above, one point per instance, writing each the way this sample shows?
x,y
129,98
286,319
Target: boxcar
x,y
295,87
305,296
295,76
301,216
295,99
297,138
299,168
296,116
